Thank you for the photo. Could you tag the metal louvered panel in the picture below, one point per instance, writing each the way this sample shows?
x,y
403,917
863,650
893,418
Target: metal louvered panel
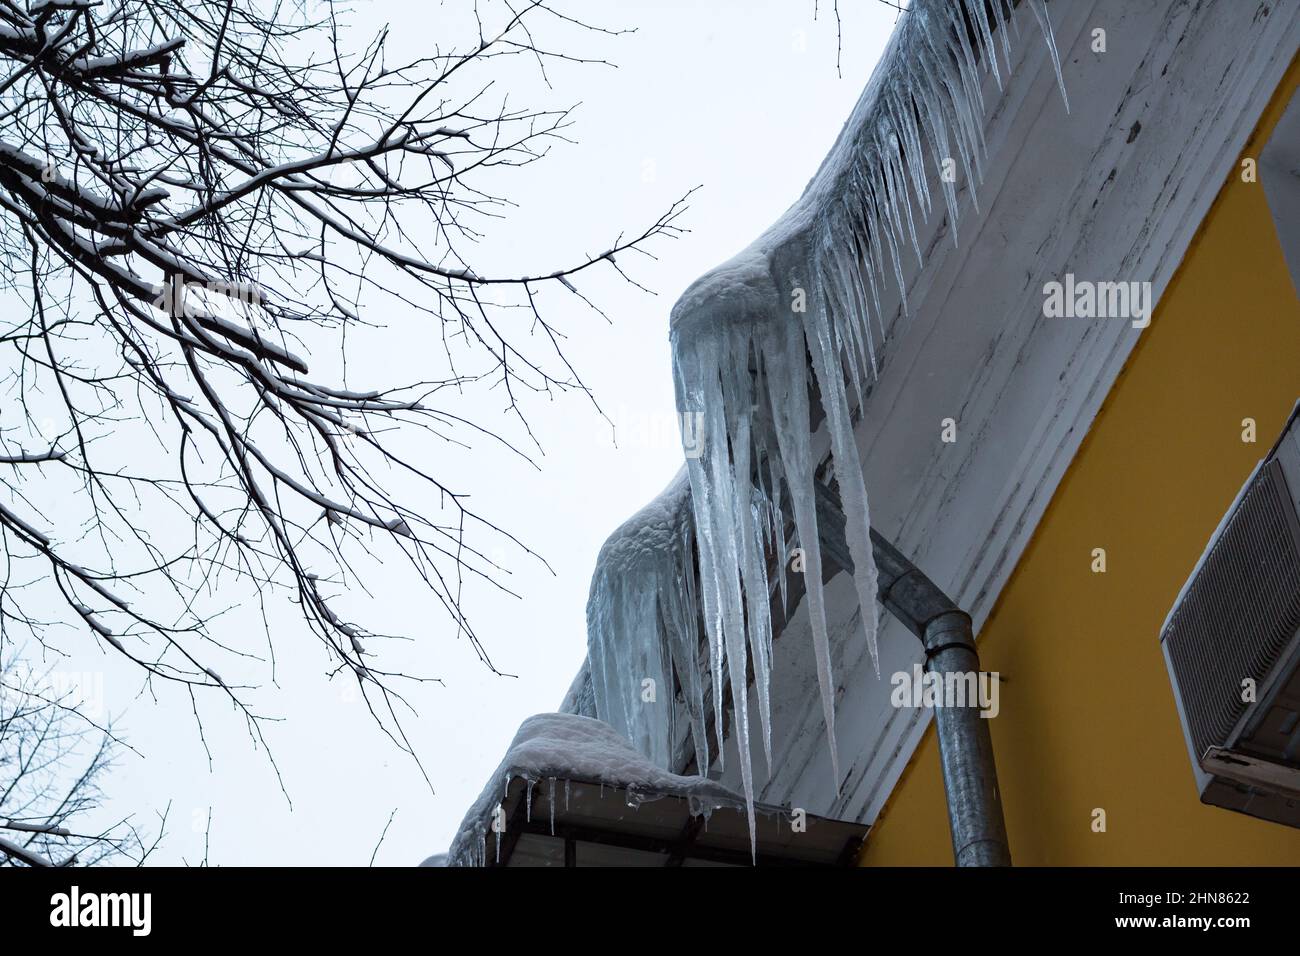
x,y
1240,612
1238,617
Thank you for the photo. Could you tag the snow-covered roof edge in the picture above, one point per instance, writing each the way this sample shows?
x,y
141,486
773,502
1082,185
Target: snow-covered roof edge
x,y
573,747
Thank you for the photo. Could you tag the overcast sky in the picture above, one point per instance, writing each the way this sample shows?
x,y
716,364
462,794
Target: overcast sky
x,y
740,97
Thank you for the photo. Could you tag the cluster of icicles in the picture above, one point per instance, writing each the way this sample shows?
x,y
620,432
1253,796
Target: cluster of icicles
x,y
807,293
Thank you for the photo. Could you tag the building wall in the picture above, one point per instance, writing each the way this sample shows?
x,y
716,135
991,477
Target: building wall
x,y
1087,716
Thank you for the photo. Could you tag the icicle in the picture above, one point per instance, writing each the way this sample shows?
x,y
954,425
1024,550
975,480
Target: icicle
x,y
741,350
979,16
750,518
1040,13
719,519
528,801
785,374
551,800
699,555
643,623
848,469
1006,13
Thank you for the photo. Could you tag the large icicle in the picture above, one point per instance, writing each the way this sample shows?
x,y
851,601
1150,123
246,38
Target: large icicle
x,y
804,295
643,623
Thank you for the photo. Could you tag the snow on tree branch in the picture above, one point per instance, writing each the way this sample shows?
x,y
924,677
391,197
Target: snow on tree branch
x,y
200,202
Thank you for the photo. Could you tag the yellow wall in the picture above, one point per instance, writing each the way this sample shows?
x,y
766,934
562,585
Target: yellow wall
x,y
1087,715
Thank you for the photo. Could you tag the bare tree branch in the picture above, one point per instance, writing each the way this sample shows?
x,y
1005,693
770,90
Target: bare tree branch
x,y
52,761
201,202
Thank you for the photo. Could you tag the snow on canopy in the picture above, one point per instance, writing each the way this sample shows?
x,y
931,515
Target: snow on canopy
x,y
571,747
807,292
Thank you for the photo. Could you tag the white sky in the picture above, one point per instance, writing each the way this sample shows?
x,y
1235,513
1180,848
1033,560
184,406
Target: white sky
x,y
738,96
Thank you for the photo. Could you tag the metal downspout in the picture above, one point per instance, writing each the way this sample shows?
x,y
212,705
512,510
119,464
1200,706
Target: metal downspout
x,y
970,781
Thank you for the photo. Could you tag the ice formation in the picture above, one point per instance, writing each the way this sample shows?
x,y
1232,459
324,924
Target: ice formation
x,y
806,294
643,628
572,747
580,699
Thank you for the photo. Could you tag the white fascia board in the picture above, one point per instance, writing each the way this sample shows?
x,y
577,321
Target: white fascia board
x,y
1114,190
